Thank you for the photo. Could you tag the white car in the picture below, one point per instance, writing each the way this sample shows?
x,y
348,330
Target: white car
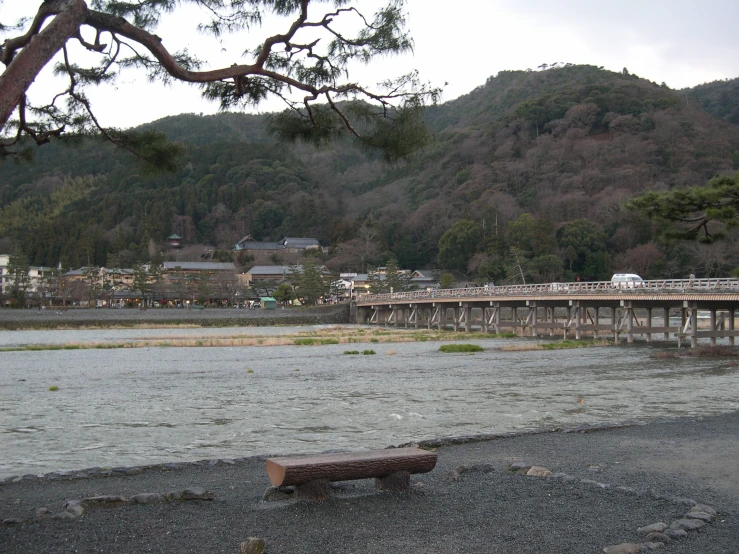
x,y
559,286
626,281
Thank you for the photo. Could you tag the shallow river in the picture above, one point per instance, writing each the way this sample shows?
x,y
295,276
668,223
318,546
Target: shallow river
x,y
136,406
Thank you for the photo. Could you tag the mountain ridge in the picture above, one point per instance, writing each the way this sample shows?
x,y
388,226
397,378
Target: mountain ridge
x,y
566,144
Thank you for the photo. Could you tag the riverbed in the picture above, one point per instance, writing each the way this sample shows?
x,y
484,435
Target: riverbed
x,y
135,406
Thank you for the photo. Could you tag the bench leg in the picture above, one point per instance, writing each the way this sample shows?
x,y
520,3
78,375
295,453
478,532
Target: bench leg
x,y
318,489
398,481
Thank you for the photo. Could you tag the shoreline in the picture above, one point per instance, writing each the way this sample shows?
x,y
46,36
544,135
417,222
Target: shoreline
x,y
106,318
429,444
606,482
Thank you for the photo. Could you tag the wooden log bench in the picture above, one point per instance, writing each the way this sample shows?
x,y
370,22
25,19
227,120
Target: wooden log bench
x,y
312,475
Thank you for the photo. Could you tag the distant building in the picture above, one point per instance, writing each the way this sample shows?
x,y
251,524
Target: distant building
x,y
290,245
4,279
174,240
275,272
197,267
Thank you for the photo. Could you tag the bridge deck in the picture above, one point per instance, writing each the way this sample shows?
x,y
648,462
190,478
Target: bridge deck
x,y
568,307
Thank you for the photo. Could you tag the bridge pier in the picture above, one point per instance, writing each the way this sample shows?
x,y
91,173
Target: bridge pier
x,y
731,327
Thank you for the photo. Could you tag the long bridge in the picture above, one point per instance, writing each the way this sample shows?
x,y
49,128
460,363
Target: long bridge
x,y
668,307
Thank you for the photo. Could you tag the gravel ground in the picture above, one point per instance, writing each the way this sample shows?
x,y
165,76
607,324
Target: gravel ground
x,y
483,508
105,317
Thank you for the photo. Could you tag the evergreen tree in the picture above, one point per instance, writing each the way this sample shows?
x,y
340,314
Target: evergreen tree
x,y
309,283
18,273
395,279
388,118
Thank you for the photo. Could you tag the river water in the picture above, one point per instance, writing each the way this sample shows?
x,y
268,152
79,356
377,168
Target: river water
x,y
134,406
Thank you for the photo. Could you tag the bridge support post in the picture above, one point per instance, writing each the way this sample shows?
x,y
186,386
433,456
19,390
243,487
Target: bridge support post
x,y
596,322
713,326
466,313
667,323
531,318
690,322
731,326
629,322
649,324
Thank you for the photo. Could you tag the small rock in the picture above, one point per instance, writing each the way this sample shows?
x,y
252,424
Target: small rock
x,y
148,498
623,548
252,545
651,545
518,466
704,508
537,471
658,537
676,534
42,511
653,528
11,521
703,516
197,493
173,495
687,524
64,516
685,501
594,467
104,499
275,494
74,507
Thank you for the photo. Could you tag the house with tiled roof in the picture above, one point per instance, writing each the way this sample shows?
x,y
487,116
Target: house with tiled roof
x,y
287,244
275,272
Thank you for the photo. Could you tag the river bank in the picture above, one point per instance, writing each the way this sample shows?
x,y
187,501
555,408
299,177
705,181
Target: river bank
x,y
106,318
605,484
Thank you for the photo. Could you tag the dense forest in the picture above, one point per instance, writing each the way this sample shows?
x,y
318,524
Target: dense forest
x,y
525,180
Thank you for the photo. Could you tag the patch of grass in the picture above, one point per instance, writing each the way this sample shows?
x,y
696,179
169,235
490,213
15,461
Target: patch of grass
x,y
374,340
460,348
53,388
313,342
351,352
368,352
522,347
250,370
708,351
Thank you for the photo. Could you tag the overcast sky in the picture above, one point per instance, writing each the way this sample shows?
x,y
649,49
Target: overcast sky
x,y
462,43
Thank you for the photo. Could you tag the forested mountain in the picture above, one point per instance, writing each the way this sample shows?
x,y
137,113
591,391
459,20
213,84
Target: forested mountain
x,y
525,179
719,98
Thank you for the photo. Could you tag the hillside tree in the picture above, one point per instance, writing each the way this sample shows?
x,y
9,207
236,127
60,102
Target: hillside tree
x,y
307,66
703,213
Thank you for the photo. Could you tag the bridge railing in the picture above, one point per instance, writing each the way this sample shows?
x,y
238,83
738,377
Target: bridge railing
x,y
658,285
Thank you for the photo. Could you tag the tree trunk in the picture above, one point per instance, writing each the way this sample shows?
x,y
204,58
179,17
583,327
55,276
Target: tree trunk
x,y
32,58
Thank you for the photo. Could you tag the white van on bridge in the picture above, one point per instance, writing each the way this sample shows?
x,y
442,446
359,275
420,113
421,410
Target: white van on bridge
x,y
626,281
